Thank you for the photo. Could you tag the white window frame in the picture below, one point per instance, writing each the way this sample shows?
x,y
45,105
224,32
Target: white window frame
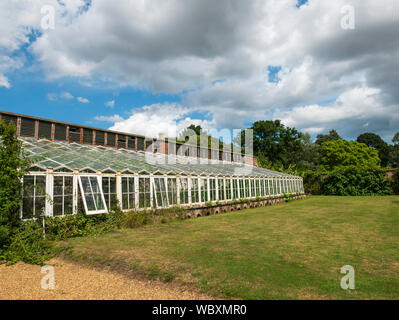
x,y
165,185
151,180
63,175
105,210
128,176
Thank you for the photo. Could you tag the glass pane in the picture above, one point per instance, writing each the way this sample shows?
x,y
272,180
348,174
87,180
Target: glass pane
x,y
39,205
105,185
29,183
58,185
131,201
125,203
41,185
90,202
112,185
131,185
124,185
85,185
172,191
27,207
99,201
94,184
68,202
57,209
68,185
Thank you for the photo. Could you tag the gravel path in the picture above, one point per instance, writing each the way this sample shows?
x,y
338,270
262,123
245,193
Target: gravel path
x,y
72,281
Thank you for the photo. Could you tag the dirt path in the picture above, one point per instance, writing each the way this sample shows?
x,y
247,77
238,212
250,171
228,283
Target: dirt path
x,y
72,281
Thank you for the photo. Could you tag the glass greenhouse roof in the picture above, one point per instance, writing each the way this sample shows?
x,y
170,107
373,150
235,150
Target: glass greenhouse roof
x,y
56,155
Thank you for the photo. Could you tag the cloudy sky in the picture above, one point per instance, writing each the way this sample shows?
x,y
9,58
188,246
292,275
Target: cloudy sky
x,y
151,66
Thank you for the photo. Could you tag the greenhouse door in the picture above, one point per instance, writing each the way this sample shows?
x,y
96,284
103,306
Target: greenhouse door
x,y
92,195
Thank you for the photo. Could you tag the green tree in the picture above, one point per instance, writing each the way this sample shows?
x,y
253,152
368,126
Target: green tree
x,y
310,156
394,151
275,143
332,136
340,153
373,140
395,183
13,166
394,155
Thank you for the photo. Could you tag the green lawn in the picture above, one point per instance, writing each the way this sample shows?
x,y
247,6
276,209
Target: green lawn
x,y
288,251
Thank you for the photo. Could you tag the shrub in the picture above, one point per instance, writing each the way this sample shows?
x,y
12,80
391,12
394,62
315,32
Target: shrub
x,y
13,166
287,197
313,182
353,181
80,225
135,219
28,245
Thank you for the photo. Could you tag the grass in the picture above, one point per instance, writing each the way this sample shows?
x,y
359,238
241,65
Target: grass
x,y
293,250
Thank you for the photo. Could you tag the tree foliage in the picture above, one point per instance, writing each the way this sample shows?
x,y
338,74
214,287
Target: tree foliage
x,y
313,182
340,153
275,142
309,158
355,181
373,140
13,166
331,136
395,183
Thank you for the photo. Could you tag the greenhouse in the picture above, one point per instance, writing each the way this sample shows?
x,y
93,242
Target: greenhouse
x,y
70,177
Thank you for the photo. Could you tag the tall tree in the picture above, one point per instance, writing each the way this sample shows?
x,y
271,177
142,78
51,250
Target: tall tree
x,y
340,153
276,143
394,152
373,140
310,156
331,136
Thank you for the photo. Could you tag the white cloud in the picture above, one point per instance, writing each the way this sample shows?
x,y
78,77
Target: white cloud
x,y
18,19
52,96
168,119
82,100
215,54
353,112
4,82
66,95
114,118
110,104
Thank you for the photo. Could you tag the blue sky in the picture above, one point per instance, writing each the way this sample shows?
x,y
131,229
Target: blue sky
x,y
29,94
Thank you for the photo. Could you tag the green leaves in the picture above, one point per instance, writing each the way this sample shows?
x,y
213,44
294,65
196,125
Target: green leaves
x,y
13,166
355,181
341,153
395,183
275,143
